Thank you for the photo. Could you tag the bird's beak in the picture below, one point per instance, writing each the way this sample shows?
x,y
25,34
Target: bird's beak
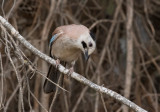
x,y
86,54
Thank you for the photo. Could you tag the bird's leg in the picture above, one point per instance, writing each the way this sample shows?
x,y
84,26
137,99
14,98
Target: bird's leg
x,y
57,63
71,70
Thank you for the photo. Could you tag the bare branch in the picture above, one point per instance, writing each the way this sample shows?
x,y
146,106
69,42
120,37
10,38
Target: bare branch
x,y
129,63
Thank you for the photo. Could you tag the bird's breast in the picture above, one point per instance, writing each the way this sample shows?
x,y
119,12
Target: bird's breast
x,y
65,50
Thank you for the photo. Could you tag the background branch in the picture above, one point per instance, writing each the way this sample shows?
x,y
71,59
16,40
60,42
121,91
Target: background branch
x,y
129,61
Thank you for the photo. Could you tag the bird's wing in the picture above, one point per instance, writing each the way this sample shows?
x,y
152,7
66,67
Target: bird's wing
x,y
54,37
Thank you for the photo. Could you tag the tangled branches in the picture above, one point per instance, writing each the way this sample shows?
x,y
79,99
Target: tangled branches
x,y
22,73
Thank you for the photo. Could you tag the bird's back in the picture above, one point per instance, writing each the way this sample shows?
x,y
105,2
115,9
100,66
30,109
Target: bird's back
x,y
73,31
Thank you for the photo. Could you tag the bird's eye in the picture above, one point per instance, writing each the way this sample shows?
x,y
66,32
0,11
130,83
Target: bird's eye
x,y
90,44
84,44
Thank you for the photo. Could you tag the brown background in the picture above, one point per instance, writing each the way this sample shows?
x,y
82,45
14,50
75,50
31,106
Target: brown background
x,y
107,19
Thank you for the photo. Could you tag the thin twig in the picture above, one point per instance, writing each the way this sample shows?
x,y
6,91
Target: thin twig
x,y
17,75
38,102
2,82
11,96
129,65
97,96
103,102
56,93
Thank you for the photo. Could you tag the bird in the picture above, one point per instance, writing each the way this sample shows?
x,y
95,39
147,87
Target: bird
x,y
67,43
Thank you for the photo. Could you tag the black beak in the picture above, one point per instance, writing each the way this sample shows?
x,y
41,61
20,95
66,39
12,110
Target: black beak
x,y
86,55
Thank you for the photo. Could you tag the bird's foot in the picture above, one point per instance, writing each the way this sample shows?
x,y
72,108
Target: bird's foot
x,y
71,70
57,63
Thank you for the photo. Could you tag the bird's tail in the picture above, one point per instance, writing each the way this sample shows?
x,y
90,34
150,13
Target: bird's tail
x,y
53,75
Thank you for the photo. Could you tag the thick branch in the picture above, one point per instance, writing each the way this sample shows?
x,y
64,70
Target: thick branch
x,y
74,75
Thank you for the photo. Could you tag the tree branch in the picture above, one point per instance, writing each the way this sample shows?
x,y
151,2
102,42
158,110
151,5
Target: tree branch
x,y
62,69
130,58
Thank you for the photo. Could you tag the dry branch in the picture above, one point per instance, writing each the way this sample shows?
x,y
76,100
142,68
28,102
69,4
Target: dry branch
x,y
74,75
129,63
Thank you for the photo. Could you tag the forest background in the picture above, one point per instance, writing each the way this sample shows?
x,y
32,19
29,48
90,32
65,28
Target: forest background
x,y
126,60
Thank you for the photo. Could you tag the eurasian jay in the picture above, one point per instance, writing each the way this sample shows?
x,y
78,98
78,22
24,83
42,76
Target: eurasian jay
x,y
67,44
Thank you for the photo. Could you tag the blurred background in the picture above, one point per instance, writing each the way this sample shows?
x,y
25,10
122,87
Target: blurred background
x,y
126,60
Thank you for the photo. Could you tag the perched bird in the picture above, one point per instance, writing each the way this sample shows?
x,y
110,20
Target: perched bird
x,y
67,44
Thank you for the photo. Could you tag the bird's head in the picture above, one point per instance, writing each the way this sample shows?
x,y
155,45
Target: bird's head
x,y
83,38
87,44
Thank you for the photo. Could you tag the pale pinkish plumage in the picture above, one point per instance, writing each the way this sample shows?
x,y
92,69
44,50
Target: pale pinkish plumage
x,y
72,31
67,46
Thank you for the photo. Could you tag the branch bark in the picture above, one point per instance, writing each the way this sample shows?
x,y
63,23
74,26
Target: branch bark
x,y
129,63
63,70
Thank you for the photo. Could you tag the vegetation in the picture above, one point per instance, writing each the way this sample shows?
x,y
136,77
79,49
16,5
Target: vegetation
x,y
126,59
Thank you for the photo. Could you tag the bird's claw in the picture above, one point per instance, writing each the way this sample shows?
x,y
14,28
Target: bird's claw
x,y
71,70
57,63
